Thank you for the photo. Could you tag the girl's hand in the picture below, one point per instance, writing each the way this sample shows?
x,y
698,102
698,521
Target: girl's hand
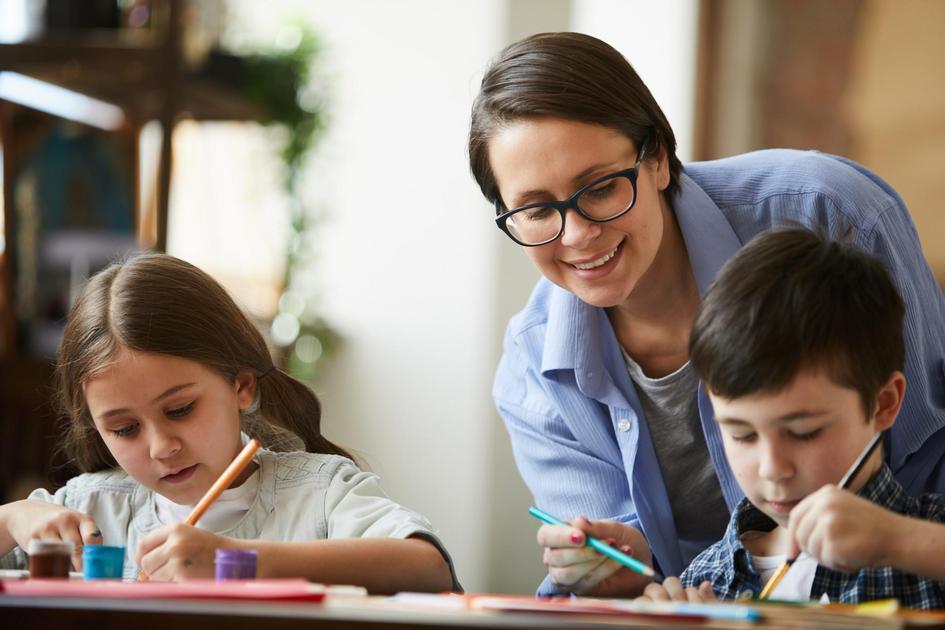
x,y
178,552
671,590
576,568
37,519
843,531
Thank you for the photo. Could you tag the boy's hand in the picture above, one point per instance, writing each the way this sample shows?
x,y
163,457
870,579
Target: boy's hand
x,y
843,531
671,590
576,568
178,552
27,520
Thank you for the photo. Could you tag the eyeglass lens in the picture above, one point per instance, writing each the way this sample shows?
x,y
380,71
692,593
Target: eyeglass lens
x,y
605,200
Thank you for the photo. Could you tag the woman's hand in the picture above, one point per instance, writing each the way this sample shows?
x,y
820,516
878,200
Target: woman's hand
x,y
844,531
671,590
178,552
26,520
576,568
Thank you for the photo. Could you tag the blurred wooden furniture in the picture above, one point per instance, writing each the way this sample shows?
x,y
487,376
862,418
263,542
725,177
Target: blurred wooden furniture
x,y
144,73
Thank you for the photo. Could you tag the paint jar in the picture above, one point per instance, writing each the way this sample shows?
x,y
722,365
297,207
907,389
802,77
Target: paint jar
x,y
49,558
235,564
101,562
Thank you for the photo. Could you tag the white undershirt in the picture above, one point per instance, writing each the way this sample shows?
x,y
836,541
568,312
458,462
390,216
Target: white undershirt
x,y
223,514
796,584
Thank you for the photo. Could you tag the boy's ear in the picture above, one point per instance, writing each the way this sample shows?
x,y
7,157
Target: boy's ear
x,y
245,388
889,400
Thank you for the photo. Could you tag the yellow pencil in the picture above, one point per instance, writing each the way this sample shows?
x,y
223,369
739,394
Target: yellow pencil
x,y
844,483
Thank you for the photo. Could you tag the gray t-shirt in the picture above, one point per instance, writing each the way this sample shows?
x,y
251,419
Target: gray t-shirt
x,y
672,415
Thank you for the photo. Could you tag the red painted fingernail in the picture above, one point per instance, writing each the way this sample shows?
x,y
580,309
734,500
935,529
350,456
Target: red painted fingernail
x,y
612,542
627,549
576,538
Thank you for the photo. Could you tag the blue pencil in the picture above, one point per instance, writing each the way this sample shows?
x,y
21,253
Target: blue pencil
x,y
597,545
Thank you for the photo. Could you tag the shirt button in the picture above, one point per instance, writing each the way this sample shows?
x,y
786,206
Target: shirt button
x,y
623,425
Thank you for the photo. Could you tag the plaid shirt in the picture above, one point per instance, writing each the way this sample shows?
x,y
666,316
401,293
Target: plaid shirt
x,y
727,564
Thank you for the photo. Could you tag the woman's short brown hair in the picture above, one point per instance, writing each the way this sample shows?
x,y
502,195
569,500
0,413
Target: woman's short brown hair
x,y
571,76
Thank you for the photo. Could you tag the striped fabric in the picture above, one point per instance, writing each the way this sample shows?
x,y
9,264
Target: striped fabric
x,y
578,434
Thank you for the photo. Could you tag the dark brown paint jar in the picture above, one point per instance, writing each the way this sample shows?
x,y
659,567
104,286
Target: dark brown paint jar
x,y
49,558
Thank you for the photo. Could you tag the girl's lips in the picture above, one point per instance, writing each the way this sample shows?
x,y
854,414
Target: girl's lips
x,y
183,475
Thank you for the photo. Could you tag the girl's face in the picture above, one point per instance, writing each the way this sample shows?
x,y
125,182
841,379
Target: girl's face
x,y
544,159
171,423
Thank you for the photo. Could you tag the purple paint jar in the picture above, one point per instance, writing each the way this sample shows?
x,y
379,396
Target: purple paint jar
x,y
235,564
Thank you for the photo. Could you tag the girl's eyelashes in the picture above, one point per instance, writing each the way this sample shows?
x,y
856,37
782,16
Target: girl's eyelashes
x,y
180,412
125,431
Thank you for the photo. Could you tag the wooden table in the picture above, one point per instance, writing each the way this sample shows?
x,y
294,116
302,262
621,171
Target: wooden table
x,y
32,613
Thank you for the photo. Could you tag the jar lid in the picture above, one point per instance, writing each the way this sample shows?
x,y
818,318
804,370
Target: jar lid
x,y
37,546
235,555
103,551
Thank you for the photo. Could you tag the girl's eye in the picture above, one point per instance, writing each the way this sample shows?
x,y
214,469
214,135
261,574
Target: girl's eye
x,y
125,431
180,412
748,437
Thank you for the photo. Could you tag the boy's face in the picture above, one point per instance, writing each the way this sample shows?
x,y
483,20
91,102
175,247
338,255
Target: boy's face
x,y
786,445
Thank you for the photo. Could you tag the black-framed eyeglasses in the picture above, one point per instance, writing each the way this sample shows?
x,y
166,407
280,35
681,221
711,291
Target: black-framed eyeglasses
x,y
604,199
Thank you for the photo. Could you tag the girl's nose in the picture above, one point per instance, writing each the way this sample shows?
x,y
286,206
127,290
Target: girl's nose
x,y
579,233
163,443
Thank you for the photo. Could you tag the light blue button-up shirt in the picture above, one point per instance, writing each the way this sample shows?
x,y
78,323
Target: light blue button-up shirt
x,y
578,432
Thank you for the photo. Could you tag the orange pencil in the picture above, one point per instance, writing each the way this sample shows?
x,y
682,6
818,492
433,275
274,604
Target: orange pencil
x,y
232,472
222,483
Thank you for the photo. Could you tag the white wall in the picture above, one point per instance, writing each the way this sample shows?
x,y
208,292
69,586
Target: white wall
x,y
413,272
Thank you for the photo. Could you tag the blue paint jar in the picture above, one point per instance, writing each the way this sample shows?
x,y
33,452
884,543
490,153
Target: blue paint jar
x,y
101,562
235,564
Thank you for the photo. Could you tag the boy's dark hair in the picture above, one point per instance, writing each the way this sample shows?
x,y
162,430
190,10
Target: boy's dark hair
x,y
790,300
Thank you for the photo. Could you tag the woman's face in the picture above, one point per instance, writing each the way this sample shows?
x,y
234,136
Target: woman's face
x,y
546,159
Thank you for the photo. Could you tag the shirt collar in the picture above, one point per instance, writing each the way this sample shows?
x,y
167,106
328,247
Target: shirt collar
x,y
709,237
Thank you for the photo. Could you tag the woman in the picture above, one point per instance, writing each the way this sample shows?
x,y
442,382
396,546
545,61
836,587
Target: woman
x,y
607,420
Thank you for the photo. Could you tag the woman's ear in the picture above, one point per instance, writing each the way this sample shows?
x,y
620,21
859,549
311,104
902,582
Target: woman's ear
x,y
889,400
245,384
661,164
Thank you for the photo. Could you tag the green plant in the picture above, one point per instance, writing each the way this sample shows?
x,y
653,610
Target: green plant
x,y
280,82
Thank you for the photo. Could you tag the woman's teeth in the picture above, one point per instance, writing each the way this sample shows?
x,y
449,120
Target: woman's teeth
x,y
600,261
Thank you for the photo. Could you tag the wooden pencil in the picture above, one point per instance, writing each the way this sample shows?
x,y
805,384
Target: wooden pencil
x,y
844,484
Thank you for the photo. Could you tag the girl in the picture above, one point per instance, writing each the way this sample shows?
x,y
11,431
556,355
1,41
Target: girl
x,y
163,378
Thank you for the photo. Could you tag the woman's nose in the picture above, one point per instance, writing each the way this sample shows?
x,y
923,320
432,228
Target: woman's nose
x,y
579,233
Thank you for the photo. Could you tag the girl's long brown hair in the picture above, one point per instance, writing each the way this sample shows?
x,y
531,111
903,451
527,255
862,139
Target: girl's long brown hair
x,y
161,304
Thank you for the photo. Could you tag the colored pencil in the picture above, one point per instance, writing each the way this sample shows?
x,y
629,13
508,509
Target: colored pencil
x,y
597,545
222,483
845,482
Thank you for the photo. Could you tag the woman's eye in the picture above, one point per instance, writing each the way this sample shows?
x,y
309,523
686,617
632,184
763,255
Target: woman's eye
x,y
603,190
748,437
180,412
538,214
125,431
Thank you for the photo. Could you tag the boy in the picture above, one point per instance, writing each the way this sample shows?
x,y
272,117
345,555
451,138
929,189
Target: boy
x,y
799,345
